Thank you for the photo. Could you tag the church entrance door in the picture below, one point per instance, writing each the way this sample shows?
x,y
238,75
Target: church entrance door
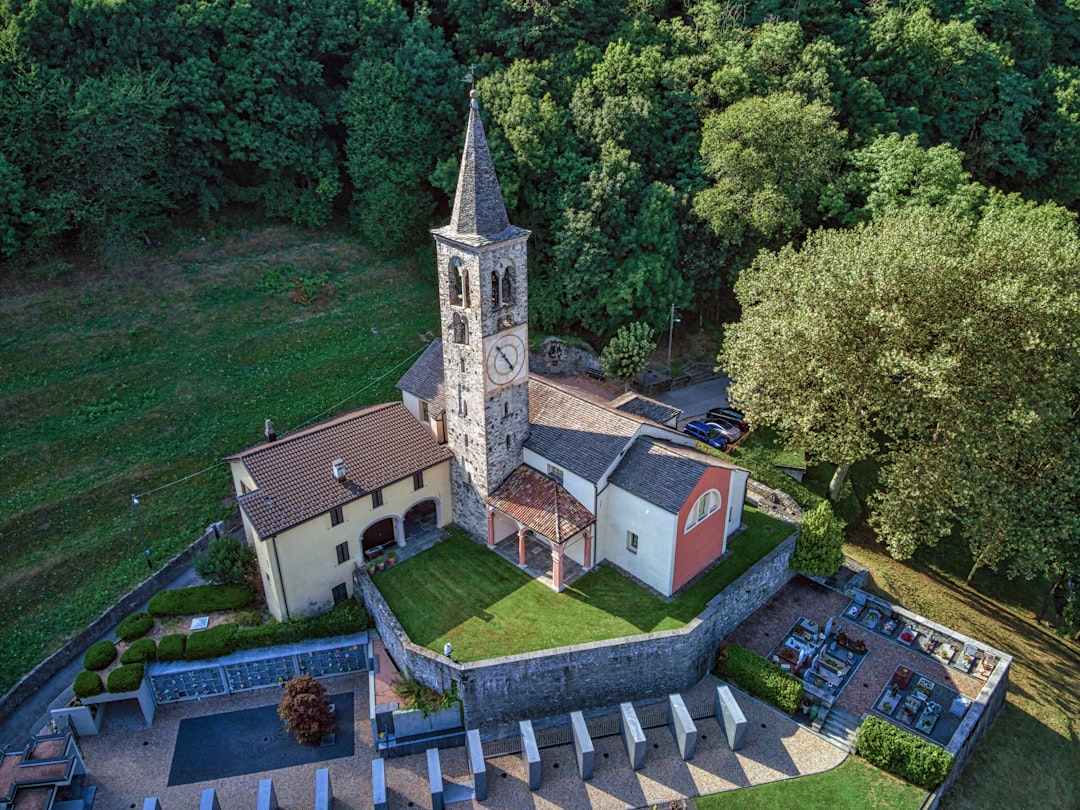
x,y
378,537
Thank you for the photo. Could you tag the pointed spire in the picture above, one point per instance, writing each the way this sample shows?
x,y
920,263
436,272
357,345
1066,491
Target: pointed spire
x,y
479,209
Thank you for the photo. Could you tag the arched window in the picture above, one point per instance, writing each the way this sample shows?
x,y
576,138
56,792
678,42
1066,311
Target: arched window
x,y
461,329
705,506
494,288
455,282
508,286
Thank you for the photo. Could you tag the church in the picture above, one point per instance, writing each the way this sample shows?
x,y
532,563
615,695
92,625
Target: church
x,y
515,459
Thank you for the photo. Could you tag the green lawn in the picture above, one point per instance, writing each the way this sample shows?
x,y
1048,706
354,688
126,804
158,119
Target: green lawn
x,y
463,593
853,785
119,383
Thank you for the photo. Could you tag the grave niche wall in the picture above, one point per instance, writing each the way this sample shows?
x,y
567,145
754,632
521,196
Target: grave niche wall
x,y
584,676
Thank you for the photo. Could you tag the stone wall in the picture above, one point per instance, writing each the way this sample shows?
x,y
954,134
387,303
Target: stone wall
x,y
104,624
584,676
556,356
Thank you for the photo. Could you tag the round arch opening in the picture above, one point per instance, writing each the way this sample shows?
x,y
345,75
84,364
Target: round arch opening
x,y
421,519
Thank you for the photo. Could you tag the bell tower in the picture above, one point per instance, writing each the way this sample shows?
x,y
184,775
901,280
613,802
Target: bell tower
x,y
484,306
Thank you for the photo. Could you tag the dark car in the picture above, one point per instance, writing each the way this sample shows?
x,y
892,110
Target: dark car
x,y
730,415
703,433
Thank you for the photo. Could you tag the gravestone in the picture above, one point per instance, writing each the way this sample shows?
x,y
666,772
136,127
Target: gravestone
x,y
151,804
583,745
324,796
267,795
477,764
730,717
378,784
530,753
682,727
434,775
209,800
632,734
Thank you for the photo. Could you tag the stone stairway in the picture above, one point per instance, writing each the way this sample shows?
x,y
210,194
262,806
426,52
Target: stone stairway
x,y
839,728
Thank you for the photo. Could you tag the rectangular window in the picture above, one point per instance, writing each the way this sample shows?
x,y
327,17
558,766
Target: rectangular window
x,y
425,415
376,499
341,593
336,516
631,542
555,473
418,480
342,552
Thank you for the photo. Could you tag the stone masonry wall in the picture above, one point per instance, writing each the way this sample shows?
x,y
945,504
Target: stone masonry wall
x,y
583,676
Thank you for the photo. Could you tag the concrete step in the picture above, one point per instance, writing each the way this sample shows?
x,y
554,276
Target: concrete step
x,y
840,728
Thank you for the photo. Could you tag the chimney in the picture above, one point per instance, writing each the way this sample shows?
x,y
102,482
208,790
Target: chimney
x,y
271,434
338,467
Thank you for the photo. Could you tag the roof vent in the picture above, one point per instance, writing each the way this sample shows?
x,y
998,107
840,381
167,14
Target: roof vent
x,y
339,469
271,434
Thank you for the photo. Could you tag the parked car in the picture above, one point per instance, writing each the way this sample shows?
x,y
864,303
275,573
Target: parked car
x,y
730,414
703,433
727,430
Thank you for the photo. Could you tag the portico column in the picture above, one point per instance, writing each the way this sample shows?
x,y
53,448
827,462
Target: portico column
x,y
521,546
588,550
556,566
399,531
491,526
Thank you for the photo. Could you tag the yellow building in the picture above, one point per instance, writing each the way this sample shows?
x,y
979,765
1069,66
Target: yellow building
x,y
350,489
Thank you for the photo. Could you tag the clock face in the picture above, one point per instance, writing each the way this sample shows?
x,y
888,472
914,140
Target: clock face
x,y
505,360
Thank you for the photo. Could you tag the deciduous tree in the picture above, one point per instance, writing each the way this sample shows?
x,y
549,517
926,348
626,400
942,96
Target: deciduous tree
x,y
305,708
626,354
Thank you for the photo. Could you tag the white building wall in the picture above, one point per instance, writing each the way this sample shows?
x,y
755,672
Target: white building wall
x,y
577,486
621,512
736,500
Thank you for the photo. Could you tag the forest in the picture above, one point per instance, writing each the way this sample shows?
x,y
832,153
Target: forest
x,y
653,148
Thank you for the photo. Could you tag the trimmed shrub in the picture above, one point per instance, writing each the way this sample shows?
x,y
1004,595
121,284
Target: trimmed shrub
x,y
172,648
125,679
227,561
759,677
200,599
899,752
212,643
134,626
87,684
345,619
141,651
819,551
100,655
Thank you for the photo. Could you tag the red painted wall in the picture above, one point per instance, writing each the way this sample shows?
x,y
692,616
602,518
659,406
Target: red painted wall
x,y
705,542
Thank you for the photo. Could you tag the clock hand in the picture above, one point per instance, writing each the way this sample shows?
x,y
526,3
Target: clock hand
x,y
502,354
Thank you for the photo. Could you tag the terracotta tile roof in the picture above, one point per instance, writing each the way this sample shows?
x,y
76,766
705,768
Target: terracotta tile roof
x,y
424,379
380,445
575,432
531,498
651,409
663,473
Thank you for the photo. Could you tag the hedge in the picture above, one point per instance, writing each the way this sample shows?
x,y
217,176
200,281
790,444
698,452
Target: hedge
x,y
134,626
171,648
346,618
899,752
141,651
759,677
87,684
100,655
125,679
200,599
212,643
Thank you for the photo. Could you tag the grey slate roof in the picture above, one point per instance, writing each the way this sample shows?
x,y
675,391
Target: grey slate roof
x,y
479,215
424,379
662,473
649,408
381,444
575,433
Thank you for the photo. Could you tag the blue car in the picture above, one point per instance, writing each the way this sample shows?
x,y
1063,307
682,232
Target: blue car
x,y
706,434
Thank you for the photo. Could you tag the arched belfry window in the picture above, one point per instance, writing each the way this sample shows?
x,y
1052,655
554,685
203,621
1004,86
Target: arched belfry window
x,y
461,329
455,282
494,288
508,286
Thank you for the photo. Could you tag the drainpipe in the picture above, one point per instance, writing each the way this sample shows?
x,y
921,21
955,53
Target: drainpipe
x,y
280,579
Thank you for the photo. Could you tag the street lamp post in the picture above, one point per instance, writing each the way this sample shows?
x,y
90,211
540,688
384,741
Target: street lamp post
x,y
142,535
671,329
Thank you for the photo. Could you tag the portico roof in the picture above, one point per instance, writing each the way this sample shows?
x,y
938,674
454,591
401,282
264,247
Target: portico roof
x,y
541,504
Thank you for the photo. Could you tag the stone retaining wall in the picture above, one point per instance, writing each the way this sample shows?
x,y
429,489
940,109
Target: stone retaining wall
x,y
106,622
583,676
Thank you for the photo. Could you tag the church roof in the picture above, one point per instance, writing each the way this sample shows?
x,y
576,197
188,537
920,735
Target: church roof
x,y
479,215
424,379
380,444
575,433
650,409
541,504
663,473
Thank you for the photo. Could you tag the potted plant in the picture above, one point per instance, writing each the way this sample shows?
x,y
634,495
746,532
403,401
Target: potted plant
x,y
381,562
370,568
391,557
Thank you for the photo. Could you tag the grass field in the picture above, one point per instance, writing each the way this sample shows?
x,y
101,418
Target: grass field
x,y
121,383
493,610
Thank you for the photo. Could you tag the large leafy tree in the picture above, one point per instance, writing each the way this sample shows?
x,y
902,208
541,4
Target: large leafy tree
x,y
948,347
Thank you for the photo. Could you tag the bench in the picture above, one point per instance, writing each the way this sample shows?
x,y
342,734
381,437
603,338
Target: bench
x,y
595,373
374,552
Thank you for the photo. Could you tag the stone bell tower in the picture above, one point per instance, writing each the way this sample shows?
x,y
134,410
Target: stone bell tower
x,y
484,305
